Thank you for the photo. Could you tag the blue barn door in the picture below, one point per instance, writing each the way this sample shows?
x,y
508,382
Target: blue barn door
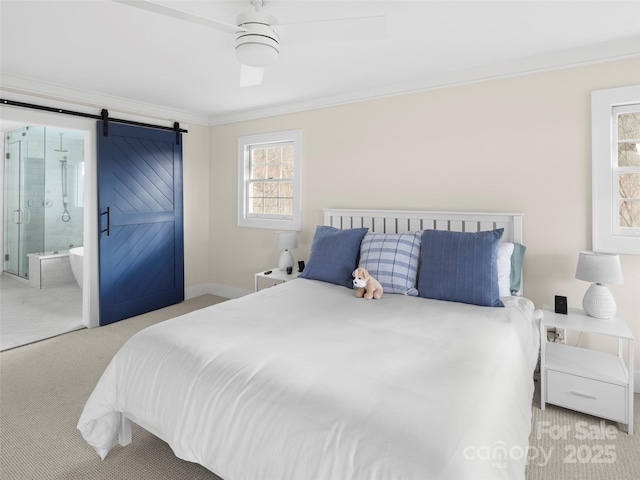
x,y
141,247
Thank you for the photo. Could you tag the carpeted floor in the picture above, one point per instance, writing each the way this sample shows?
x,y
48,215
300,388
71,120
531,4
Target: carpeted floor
x,y
43,388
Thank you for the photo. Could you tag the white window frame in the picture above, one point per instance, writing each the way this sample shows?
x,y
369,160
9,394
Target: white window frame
x,y
274,222
607,236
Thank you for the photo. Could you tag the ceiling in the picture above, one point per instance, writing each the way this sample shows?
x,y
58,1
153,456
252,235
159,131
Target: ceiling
x,y
102,50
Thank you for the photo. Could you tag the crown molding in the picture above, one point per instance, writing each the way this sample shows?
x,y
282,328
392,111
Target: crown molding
x,y
576,57
26,86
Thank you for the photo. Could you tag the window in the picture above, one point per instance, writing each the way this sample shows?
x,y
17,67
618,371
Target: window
x,y
269,180
616,170
626,167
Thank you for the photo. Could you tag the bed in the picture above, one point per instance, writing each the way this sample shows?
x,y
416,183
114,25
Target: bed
x,y
306,381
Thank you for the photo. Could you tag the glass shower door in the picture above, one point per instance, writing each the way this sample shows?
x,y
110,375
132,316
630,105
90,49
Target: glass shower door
x,y
24,190
13,215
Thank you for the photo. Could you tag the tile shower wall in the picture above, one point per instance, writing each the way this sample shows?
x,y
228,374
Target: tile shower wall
x,y
34,210
60,235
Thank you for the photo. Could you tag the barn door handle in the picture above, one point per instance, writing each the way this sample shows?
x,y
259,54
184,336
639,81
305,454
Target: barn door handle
x,y
108,214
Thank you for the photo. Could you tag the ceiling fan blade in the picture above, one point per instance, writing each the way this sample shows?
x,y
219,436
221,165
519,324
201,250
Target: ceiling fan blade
x,y
336,30
180,15
250,76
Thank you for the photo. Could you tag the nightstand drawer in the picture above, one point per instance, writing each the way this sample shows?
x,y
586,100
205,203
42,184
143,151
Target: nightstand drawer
x,y
589,396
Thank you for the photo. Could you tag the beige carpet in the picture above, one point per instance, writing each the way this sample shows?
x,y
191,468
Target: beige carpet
x,y
43,388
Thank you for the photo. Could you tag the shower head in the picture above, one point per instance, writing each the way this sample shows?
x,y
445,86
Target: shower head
x,y
60,149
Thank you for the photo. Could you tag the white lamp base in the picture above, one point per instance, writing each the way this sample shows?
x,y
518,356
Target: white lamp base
x,y
598,302
286,260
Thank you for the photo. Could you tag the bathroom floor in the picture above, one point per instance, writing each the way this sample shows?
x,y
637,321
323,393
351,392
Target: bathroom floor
x,y
29,314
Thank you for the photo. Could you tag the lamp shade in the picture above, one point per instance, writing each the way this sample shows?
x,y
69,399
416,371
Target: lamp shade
x,y
599,268
286,240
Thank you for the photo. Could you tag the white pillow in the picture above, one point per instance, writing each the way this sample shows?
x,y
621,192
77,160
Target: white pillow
x,y
505,250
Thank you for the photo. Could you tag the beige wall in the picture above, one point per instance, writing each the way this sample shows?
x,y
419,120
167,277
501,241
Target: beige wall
x,y
197,205
520,144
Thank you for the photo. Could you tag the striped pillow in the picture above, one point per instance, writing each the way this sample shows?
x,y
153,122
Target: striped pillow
x,y
460,267
392,259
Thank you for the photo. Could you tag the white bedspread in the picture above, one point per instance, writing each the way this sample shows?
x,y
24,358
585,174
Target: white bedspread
x,y
305,381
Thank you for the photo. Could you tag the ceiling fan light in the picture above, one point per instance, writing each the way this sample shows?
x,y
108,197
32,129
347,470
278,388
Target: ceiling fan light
x,y
257,45
256,54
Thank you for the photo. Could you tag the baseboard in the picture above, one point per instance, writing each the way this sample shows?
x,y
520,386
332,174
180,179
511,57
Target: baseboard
x,y
215,289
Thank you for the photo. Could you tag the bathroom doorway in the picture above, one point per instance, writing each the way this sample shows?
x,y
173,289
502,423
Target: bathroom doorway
x,y
43,219
43,191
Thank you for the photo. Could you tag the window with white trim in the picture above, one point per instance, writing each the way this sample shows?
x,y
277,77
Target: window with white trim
x,y
616,170
269,168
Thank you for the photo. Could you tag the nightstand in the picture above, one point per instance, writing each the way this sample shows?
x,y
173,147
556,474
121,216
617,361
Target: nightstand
x,y
588,381
275,277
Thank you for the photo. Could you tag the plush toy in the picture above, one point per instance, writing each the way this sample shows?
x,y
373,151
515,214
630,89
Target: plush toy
x,y
368,287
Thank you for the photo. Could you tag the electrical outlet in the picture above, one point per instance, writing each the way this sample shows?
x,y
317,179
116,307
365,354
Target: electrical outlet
x,y
551,334
556,335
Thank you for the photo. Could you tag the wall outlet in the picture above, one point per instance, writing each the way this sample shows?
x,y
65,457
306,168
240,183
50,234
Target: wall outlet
x,y
556,335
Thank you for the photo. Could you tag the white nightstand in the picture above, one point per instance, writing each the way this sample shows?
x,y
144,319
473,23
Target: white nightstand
x,y
589,381
275,277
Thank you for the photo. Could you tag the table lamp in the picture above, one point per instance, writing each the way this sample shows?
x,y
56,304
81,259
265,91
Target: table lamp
x,y
601,269
286,241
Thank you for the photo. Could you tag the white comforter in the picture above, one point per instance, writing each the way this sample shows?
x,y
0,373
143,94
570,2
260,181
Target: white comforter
x,y
305,381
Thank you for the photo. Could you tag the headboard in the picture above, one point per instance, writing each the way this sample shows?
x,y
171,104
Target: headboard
x,y
399,221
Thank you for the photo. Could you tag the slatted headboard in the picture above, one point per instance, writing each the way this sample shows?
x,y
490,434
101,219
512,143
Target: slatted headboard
x,y
399,221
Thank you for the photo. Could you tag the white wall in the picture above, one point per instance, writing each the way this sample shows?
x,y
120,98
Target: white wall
x,y
520,144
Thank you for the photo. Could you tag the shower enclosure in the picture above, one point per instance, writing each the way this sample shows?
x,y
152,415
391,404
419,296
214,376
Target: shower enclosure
x,y
43,194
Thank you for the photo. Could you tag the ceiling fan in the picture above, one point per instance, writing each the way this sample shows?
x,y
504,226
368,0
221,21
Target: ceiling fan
x,y
259,35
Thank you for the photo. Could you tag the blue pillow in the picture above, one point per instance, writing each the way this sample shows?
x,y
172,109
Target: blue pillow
x,y
460,267
334,255
392,259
